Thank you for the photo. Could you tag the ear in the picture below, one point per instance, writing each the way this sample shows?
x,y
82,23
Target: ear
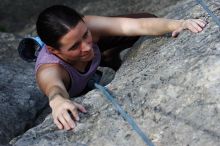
x,y
52,50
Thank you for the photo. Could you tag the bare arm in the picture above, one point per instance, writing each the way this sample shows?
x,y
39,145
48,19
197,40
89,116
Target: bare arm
x,y
53,81
113,26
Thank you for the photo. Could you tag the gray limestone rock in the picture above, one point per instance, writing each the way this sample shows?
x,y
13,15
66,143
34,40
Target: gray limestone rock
x,y
170,86
22,104
20,100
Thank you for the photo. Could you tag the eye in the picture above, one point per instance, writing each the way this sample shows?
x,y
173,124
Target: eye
x,y
74,46
86,35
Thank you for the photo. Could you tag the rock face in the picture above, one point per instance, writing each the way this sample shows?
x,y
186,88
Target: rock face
x,y
169,85
21,103
20,100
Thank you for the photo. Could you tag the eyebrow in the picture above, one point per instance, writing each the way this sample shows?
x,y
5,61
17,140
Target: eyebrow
x,y
87,30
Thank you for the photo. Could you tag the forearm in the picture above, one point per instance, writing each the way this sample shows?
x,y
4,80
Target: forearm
x,y
53,81
105,26
158,26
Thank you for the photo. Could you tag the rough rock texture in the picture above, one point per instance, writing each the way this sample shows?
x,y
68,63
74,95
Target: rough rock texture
x,y
22,105
170,86
20,100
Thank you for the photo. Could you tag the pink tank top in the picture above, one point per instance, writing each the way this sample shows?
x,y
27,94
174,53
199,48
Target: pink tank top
x,y
78,80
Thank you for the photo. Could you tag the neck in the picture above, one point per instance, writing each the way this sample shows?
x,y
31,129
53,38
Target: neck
x,y
80,66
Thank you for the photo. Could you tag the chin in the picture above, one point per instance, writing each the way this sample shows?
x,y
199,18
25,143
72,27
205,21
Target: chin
x,y
88,58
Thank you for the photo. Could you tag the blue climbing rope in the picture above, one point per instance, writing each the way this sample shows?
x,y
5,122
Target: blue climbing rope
x,y
125,115
206,8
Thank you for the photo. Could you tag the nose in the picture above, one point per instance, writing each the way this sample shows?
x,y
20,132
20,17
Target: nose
x,y
85,47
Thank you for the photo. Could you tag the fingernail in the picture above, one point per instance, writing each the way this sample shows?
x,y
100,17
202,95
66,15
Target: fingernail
x,y
73,126
77,118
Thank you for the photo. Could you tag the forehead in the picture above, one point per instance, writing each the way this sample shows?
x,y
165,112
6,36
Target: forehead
x,y
74,34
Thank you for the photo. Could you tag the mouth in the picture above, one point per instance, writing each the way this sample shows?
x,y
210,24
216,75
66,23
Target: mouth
x,y
84,55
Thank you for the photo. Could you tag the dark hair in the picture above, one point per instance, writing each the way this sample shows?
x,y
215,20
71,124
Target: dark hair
x,y
54,22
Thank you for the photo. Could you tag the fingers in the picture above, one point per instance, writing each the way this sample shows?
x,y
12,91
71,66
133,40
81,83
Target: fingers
x,y
196,25
65,115
57,122
192,28
200,22
176,33
74,112
64,122
69,120
80,107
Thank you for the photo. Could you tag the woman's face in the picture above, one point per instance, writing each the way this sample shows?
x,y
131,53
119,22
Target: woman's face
x,y
76,45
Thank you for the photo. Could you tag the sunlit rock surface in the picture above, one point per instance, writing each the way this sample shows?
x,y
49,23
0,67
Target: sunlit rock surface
x,y
170,86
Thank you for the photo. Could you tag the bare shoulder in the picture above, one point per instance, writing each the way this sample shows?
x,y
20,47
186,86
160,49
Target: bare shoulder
x,y
51,69
52,73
